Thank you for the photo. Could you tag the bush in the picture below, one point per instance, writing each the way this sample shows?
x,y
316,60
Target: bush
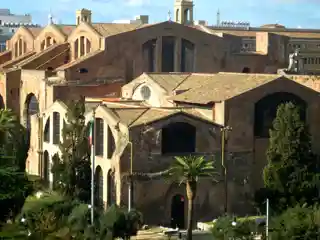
x,y
46,215
300,222
119,223
245,228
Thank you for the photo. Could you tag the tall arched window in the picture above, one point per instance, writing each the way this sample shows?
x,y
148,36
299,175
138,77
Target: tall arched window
x,y
187,56
82,46
76,48
20,44
178,138
56,128
47,131
99,136
266,111
149,55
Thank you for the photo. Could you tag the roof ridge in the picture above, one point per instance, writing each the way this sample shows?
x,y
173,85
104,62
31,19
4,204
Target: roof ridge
x,y
138,117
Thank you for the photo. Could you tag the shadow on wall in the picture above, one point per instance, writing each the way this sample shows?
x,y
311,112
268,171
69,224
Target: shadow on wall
x,y
1,102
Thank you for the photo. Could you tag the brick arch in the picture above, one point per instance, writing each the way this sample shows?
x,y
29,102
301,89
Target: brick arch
x,y
31,107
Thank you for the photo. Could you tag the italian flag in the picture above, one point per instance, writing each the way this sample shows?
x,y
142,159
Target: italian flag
x,y
91,132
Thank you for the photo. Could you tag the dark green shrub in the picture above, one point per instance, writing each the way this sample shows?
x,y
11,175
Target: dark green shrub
x,y
224,229
300,222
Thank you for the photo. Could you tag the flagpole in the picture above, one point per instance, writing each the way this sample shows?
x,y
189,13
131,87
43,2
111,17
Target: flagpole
x,y
93,165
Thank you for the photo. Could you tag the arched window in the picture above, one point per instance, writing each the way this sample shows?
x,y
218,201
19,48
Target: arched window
x,y
149,55
43,45
266,111
111,193
46,134
16,49
82,49
82,46
56,128
187,56
99,186
168,53
99,137
20,44
88,46
45,167
48,41
177,15
178,138
76,48
111,143
186,15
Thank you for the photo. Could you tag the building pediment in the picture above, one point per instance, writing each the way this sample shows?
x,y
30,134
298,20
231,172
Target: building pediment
x,y
83,29
52,31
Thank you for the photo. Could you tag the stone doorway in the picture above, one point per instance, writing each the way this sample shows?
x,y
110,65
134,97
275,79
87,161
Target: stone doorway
x,y
178,211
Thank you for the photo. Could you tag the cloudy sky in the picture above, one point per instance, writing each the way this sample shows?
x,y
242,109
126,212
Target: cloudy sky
x,y
291,13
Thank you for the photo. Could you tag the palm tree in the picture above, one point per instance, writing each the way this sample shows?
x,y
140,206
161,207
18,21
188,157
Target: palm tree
x,y
188,170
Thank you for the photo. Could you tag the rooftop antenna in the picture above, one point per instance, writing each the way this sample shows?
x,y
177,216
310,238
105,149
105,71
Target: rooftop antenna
x,y
218,18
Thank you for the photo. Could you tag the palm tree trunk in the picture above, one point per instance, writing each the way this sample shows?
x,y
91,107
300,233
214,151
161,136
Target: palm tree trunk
x,y
191,193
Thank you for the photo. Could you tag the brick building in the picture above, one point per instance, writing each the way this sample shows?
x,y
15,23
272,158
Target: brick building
x,y
167,77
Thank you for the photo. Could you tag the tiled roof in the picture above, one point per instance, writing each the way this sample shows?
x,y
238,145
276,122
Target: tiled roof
x,y
110,29
78,60
168,81
35,31
39,54
133,117
66,29
222,86
15,61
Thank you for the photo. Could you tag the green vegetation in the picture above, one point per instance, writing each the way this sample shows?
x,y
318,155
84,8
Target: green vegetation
x,y
72,172
14,185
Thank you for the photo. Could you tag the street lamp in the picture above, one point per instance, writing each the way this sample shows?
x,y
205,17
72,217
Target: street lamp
x,y
224,136
130,187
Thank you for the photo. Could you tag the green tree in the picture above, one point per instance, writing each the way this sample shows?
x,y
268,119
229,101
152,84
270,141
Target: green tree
x,y
292,167
189,170
72,171
14,186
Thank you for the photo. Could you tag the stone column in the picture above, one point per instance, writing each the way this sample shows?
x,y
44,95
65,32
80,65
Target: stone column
x,y
177,55
159,55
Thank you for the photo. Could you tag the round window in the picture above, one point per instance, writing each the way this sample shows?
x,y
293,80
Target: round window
x,y
145,92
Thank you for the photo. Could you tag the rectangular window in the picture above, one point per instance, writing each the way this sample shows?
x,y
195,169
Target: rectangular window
x,y
56,128
168,51
99,137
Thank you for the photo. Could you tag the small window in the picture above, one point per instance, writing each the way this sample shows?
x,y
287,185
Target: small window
x,y
145,92
83,70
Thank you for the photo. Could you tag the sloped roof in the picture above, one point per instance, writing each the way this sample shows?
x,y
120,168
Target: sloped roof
x,y
133,117
110,29
222,86
15,61
66,29
78,60
35,31
168,81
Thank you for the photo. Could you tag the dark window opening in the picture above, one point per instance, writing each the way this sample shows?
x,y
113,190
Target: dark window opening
x,y
178,138
83,70
99,137
45,169
266,111
1,102
99,186
47,131
168,47
49,68
246,70
56,128
149,52
111,143
111,193
187,56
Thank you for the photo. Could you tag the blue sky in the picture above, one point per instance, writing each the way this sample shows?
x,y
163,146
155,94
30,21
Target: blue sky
x,y
291,13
